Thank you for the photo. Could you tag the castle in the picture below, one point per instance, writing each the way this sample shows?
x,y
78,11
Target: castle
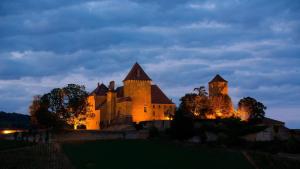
x,y
136,101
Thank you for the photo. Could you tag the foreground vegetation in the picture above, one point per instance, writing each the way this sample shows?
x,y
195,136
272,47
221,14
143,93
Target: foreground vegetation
x,y
143,154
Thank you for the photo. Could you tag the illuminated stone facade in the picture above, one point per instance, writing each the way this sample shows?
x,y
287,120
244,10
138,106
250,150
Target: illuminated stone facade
x,y
221,102
137,100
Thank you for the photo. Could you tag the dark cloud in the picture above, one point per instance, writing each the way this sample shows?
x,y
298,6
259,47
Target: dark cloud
x,y
253,44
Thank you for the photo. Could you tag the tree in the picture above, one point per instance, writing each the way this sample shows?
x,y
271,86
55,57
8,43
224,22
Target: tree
x,y
222,105
41,116
33,108
197,104
76,105
55,101
66,105
254,109
201,91
182,126
193,106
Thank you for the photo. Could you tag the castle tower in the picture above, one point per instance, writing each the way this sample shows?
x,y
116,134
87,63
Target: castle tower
x,y
218,86
218,95
137,86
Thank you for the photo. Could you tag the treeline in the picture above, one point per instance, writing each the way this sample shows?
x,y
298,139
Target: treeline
x,y
14,120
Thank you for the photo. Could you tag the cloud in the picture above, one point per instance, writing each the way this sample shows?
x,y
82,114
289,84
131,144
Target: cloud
x,y
207,6
17,55
284,26
206,24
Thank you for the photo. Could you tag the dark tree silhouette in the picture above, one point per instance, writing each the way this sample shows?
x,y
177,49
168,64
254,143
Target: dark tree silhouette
x,y
14,120
197,105
201,91
60,106
182,126
255,109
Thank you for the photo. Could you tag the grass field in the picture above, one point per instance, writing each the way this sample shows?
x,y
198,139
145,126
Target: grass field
x,y
10,144
39,156
142,154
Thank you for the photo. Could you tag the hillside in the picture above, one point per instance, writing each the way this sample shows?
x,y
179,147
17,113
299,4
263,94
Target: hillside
x,y
14,120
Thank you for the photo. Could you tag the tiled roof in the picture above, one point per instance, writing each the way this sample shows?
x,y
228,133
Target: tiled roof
x,y
269,121
101,90
217,78
137,73
158,97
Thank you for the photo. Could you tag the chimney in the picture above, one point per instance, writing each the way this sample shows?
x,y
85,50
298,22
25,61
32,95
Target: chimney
x,y
111,85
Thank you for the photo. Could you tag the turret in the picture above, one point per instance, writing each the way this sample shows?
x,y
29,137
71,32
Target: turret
x,y
218,86
220,100
137,86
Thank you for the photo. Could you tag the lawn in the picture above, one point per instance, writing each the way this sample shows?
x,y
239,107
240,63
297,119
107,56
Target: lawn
x,y
143,154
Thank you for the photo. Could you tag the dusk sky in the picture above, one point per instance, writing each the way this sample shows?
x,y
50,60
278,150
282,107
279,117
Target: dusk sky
x,y
255,45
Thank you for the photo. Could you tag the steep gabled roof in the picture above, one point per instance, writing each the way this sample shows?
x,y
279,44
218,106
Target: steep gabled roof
x,y
158,97
217,78
101,90
137,73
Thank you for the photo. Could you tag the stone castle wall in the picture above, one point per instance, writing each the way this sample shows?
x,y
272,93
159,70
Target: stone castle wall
x,y
140,93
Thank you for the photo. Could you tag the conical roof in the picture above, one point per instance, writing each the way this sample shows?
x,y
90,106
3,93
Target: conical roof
x,y
137,73
217,78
